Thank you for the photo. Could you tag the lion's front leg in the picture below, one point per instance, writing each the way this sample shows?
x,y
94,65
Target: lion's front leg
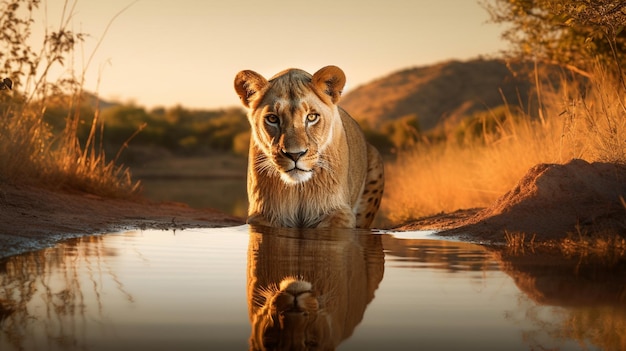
x,y
257,218
341,218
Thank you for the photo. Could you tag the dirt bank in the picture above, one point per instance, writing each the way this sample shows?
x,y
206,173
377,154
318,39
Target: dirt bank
x,y
31,218
551,202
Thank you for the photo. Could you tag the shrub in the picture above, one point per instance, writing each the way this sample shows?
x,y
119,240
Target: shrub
x,y
30,153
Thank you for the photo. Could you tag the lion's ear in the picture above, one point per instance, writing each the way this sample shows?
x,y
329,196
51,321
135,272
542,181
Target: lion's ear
x,y
330,80
248,84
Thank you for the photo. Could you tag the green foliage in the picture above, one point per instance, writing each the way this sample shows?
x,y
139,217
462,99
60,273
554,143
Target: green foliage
x,y
393,135
184,131
484,125
381,141
177,129
402,132
574,34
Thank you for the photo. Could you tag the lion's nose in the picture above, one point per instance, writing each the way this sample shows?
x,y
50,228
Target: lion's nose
x,y
295,156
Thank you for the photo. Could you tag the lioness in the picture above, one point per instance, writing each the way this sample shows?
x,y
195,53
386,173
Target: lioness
x,y
309,164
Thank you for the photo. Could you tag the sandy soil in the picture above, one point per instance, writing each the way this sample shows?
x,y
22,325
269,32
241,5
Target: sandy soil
x,y
551,201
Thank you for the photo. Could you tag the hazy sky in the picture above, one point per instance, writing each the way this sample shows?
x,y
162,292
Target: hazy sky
x,y
168,52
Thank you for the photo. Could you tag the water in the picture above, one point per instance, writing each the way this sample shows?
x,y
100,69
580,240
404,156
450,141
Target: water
x,y
195,290
225,194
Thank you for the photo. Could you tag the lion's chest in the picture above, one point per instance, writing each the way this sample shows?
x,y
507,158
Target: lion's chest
x,y
299,205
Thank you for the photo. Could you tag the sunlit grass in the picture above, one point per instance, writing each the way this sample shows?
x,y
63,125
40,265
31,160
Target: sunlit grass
x,y
574,122
604,244
516,242
29,152
607,245
31,155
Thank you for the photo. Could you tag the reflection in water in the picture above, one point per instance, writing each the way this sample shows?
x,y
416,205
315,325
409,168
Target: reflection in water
x,y
51,276
451,256
202,289
308,289
153,290
590,295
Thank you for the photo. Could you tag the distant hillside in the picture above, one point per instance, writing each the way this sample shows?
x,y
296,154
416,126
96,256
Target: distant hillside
x,y
94,101
444,91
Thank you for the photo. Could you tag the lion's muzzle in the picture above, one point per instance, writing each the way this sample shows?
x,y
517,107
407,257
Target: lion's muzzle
x,y
296,166
294,156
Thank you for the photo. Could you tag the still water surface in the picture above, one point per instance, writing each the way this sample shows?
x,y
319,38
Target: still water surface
x,y
195,290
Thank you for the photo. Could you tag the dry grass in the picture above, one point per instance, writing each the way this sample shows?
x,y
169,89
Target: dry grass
x,y
575,122
516,242
607,244
30,154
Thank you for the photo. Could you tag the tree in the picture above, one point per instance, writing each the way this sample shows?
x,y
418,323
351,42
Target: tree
x,y
573,34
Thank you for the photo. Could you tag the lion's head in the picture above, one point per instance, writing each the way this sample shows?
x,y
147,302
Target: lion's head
x,y
308,150
293,117
291,309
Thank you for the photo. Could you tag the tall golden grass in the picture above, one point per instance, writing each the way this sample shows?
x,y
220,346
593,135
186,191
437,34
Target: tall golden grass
x,y
31,155
29,152
576,120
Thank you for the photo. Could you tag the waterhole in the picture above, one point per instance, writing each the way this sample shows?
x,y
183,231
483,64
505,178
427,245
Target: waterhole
x,y
209,289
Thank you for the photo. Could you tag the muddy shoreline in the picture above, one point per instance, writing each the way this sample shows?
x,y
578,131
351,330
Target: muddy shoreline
x,y
32,218
551,202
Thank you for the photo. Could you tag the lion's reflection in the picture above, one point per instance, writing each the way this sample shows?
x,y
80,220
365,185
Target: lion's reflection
x,y
308,289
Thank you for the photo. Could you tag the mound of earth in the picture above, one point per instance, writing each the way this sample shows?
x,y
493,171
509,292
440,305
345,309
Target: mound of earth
x,y
551,201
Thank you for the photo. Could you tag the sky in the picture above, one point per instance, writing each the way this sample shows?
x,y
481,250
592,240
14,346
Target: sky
x,y
162,53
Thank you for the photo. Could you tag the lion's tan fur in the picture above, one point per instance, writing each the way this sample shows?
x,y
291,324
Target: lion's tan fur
x,y
302,173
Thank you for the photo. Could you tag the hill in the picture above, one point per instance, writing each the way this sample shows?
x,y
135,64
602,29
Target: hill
x,y
445,91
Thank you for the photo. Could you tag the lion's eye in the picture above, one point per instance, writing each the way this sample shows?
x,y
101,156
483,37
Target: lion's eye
x,y
271,119
312,118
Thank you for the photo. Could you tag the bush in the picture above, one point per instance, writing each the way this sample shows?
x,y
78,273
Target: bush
x,y
573,34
